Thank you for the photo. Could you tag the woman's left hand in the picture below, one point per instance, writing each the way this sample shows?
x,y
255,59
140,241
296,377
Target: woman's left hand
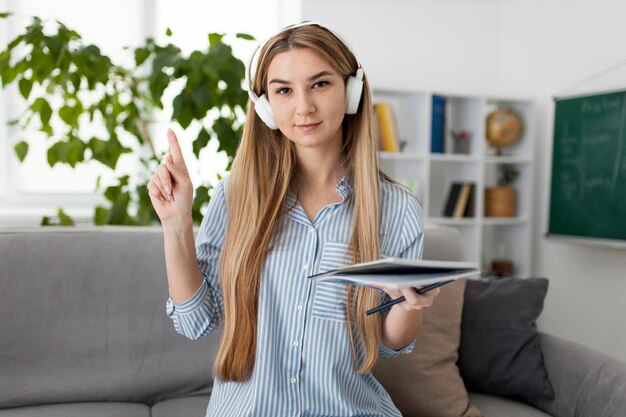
x,y
414,301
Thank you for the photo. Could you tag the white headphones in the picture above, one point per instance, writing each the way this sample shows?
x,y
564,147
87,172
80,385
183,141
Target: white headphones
x,y
354,85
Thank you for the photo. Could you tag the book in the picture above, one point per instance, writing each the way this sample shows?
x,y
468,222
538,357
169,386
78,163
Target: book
x,y
469,208
453,196
461,202
388,130
396,273
438,127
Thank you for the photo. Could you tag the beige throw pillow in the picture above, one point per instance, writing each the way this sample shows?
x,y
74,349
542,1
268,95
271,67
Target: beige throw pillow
x,y
426,382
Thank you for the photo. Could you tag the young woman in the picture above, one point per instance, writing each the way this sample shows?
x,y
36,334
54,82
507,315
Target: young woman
x,y
305,195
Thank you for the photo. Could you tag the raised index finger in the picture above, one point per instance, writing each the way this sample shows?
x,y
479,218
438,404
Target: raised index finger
x,y
175,151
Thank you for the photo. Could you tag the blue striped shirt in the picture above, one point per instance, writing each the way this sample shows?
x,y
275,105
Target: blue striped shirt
x,y
304,363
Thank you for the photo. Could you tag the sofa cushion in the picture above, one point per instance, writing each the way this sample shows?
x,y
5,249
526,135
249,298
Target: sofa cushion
x,y
88,321
495,406
500,351
426,382
182,407
80,410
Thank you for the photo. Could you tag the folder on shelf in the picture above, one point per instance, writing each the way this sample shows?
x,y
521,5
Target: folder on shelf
x,y
438,126
388,130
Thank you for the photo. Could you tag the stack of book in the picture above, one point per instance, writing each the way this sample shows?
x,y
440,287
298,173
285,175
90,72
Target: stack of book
x,y
460,201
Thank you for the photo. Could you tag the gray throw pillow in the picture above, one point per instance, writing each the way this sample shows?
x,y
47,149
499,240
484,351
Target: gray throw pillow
x,y
499,351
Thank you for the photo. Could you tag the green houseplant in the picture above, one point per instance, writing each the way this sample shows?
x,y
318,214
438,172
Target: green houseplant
x,y
70,84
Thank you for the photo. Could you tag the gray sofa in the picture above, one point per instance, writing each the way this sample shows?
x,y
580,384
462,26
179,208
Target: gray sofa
x,y
83,332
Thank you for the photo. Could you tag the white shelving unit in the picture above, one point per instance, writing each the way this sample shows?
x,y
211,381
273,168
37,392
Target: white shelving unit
x,y
431,174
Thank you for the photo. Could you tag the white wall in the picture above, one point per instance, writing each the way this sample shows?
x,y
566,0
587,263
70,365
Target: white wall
x,y
551,46
531,48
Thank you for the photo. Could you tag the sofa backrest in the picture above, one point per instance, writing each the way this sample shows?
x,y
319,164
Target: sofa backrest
x,y
82,318
442,243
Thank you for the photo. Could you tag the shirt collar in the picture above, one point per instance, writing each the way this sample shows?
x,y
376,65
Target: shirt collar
x,y
294,211
343,186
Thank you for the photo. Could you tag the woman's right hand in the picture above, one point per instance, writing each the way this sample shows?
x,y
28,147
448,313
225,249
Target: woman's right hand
x,y
170,188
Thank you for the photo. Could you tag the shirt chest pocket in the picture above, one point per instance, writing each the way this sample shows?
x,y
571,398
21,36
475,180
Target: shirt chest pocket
x,y
329,302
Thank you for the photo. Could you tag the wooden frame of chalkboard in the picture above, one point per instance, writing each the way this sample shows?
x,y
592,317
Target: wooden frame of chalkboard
x,y
588,241
587,200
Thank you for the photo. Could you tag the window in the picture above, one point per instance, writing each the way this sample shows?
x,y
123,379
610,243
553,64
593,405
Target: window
x,y
33,186
31,189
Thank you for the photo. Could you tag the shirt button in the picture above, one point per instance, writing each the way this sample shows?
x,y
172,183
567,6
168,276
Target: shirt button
x,y
306,266
300,307
295,343
312,231
293,380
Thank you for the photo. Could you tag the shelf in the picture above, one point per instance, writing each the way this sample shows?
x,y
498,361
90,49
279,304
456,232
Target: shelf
x,y
504,221
432,175
397,156
506,160
466,221
485,221
452,157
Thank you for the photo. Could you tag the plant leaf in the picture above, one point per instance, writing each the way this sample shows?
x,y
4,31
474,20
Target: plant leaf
x,y
158,83
42,107
245,36
201,199
183,111
65,220
215,38
57,153
201,141
141,54
68,115
229,137
107,151
5,58
21,150
100,216
75,151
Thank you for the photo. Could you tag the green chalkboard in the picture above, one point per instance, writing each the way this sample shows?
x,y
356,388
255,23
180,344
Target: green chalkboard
x,y
588,188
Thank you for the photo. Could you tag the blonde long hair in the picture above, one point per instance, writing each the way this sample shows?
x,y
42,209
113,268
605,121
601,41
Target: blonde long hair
x,y
260,180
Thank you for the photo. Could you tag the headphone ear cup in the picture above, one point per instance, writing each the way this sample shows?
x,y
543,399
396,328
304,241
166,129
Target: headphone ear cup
x,y
354,89
264,111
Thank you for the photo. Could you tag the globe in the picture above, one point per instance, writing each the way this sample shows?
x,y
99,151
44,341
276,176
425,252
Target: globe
x,y
504,127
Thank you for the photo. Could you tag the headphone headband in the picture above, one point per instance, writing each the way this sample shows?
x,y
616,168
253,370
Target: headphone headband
x,y
294,26
354,84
